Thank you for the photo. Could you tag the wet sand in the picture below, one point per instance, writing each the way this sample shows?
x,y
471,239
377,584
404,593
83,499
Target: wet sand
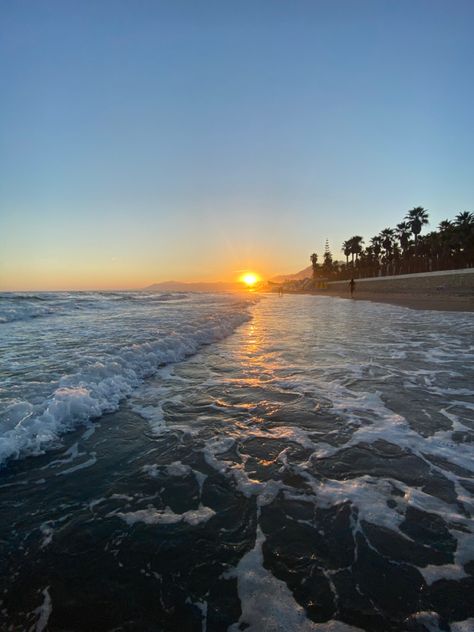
x,y
444,302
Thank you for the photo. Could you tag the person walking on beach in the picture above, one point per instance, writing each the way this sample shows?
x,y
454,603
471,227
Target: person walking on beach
x,y
352,287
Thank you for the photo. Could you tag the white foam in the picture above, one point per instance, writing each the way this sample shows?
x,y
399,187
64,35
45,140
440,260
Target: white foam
x,y
43,612
69,455
286,433
427,621
89,432
47,532
153,516
153,414
151,470
203,607
81,466
433,573
106,378
22,307
267,603
367,493
215,446
373,420
200,479
463,626
178,469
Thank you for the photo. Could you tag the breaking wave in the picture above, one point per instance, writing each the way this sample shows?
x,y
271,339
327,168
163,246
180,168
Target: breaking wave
x,y
102,379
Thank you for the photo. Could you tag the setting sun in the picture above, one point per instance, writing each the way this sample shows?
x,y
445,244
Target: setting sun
x,y
250,279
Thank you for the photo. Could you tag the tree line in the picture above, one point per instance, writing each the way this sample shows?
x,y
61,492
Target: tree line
x,y
403,250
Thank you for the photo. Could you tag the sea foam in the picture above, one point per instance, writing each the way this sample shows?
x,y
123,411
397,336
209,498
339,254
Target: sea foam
x,y
105,373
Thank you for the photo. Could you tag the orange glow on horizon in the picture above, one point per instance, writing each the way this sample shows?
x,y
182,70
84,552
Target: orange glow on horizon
x,y
92,273
249,279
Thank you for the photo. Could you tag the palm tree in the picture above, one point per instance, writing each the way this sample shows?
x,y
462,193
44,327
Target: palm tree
x,y
445,225
430,248
394,252
447,244
377,247
346,249
402,232
314,262
464,228
387,238
371,261
356,247
416,219
464,220
396,259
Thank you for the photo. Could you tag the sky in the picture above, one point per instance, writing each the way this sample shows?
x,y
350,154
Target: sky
x,y
144,140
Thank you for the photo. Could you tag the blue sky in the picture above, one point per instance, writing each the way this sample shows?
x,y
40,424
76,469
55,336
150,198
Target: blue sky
x,y
144,141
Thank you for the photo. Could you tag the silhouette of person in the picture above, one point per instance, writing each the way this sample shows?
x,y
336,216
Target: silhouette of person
x,y
352,287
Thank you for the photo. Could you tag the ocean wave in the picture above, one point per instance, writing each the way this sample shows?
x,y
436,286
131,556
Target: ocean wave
x,y
15,306
24,306
99,387
13,296
158,298
11,312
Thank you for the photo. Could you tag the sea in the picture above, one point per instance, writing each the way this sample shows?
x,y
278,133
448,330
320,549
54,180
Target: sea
x,y
230,462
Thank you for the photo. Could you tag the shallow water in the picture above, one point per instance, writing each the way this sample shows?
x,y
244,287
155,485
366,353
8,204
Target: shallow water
x,y
311,471
69,357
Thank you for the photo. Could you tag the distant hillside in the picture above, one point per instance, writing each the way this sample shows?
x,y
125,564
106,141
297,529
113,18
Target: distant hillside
x,y
221,286
178,286
307,273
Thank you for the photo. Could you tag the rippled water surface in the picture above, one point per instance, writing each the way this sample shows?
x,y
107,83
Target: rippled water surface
x,y
309,469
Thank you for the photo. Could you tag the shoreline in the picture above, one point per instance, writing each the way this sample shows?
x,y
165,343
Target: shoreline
x,y
421,301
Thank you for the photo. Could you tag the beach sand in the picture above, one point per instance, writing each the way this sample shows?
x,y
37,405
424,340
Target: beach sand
x,y
440,302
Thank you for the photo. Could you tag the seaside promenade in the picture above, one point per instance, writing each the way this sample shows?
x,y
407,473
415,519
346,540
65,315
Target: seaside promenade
x,y
446,290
